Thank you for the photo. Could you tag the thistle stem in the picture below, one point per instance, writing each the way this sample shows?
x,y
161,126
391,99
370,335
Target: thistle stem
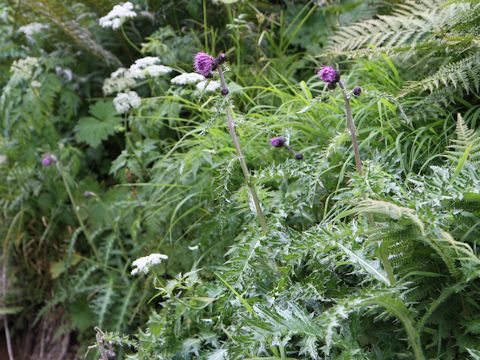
x,y
351,127
358,163
241,158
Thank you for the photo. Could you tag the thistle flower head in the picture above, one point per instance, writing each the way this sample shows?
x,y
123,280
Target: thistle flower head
x,y
357,90
278,141
48,159
328,74
204,64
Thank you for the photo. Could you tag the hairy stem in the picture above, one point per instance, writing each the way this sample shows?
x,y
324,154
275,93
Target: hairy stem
x,y
358,163
351,127
241,158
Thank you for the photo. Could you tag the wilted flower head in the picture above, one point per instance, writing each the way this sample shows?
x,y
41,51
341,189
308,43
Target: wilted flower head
x,y
143,264
126,101
117,16
203,64
278,141
66,73
48,159
357,90
328,74
88,194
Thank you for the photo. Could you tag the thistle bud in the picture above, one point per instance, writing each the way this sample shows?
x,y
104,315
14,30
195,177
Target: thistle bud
x,y
298,156
357,90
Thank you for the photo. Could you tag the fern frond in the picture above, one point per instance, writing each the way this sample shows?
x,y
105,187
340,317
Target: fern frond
x,y
465,149
61,16
463,75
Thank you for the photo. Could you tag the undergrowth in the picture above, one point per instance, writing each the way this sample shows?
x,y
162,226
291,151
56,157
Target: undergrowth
x,y
378,265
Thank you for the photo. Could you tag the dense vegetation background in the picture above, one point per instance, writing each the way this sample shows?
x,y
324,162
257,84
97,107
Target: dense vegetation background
x,y
378,265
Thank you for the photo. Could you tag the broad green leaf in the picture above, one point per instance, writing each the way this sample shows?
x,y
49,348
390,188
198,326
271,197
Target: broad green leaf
x,y
94,129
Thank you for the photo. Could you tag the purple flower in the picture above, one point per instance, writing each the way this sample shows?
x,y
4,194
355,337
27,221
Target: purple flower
x,y
278,141
299,156
203,64
328,74
357,90
48,159
88,194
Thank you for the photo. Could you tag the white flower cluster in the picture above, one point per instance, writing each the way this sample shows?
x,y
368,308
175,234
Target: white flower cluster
x,y
148,66
31,29
187,78
124,79
24,68
120,80
143,264
126,101
208,86
117,16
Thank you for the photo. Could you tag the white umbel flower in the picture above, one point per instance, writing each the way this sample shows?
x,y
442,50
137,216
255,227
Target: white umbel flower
x,y
148,66
187,78
126,101
119,81
118,15
24,68
144,264
31,29
208,86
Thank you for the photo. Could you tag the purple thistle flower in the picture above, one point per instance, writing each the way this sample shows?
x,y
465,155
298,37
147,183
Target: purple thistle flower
x,y
203,64
328,74
278,141
357,90
48,159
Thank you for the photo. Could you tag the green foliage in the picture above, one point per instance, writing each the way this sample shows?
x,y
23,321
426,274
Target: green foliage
x,y
382,265
98,127
442,33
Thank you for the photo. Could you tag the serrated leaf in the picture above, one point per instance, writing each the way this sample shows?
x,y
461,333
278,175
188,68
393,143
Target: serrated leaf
x,y
218,354
368,265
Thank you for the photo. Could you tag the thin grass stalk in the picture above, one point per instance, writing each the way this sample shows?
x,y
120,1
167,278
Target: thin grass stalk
x,y
241,158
